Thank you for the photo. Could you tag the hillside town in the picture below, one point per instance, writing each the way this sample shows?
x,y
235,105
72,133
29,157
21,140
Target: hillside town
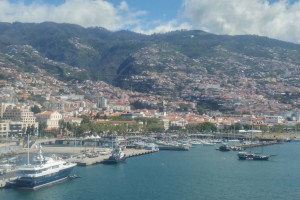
x,y
61,102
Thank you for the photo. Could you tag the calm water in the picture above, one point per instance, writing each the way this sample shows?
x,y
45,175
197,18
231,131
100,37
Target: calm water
x,y
201,173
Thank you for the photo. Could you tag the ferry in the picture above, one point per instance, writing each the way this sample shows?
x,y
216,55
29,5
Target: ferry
x,y
42,172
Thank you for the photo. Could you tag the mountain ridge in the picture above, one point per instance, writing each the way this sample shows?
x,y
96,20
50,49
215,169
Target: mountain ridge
x,y
185,64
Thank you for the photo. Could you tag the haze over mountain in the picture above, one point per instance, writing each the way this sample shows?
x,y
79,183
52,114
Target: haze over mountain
x,y
185,64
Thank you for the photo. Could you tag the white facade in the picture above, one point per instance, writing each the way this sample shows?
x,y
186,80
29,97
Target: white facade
x,y
4,128
274,119
3,106
51,118
180,122
16,120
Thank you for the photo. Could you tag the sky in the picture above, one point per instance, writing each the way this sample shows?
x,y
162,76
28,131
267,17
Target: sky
x,y
276,19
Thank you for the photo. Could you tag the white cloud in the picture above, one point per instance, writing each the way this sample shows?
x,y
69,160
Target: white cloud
x,y
86,13
163,27
277,20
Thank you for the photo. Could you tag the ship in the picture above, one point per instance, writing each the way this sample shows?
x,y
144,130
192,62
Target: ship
x,y
42,172
224,147
117,156
252,156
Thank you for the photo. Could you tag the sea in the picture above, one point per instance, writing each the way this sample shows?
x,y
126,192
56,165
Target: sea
x,y
202,173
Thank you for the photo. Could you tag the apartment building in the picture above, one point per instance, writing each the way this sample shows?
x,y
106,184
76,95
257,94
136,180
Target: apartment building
x,y
15,120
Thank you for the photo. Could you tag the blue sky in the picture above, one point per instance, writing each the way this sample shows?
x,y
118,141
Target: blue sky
x,y
272,18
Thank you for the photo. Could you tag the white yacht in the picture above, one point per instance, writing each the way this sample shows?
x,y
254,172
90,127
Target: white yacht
x,y
44,171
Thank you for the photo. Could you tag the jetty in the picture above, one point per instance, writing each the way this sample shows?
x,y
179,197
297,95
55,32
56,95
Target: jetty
x,y
259,144
82,160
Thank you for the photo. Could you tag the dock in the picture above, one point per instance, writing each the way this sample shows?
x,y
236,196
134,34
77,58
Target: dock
x,y
85,161
260,144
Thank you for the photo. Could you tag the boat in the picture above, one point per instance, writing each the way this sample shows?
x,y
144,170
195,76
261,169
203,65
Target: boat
x,y
42,172
207,143
242,155
224,147
261,157
151,147
236,148
252,156
117,156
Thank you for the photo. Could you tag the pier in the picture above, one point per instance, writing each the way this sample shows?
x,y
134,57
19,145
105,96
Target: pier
x,y
85,161
260,144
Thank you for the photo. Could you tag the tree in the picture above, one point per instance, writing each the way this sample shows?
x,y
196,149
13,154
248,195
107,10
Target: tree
x,y
85,119
207,126
277,128
35,109
42,127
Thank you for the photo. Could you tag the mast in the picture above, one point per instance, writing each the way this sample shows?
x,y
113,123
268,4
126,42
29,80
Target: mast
x,y
28,149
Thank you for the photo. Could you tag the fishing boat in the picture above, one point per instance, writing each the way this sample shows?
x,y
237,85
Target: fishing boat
x,y
42,172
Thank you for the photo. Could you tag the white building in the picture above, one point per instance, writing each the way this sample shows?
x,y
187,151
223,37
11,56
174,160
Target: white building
x,y
3,106
16,120
274,119
51,118
4,128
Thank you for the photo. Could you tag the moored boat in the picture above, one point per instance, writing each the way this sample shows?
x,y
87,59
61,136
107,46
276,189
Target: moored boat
x,y
252,156
44,171
117,156
261,157
242,155
224,147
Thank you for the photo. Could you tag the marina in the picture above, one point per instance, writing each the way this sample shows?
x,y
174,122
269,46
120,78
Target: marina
x,y
201,170
86,152
77,155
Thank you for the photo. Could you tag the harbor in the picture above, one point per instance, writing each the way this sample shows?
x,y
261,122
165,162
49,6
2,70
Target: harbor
x,y
87,152
74,155
199,169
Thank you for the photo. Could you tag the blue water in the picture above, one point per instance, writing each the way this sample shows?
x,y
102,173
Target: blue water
x,y
201,173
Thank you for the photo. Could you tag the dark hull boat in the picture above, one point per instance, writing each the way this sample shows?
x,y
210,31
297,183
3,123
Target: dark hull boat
x,y
261,157
116,157
224,147
250,156
114,160
33,183
44,171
